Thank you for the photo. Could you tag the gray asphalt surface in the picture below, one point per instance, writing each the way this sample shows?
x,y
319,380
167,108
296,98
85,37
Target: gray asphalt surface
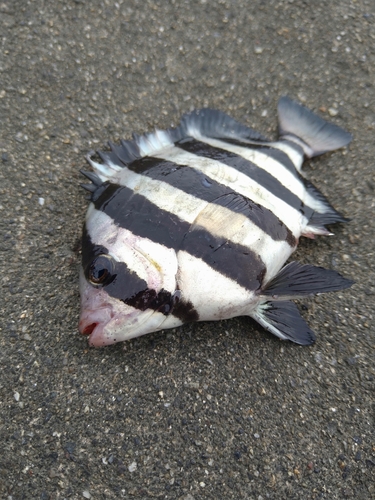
x,y
211,410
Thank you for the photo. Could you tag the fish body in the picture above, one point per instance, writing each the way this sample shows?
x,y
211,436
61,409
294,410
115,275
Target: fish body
x,y
196,223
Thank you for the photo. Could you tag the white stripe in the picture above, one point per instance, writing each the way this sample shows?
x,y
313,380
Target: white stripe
x,y
309,152
219,221
163,195
274,168
294,156
159,144
269,165
154,263
287,179
240,183
213,295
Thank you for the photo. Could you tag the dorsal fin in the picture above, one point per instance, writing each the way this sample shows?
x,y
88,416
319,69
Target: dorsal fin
x,y
216,124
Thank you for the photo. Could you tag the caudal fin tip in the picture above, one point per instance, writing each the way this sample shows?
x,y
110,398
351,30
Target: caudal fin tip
x,y
313,133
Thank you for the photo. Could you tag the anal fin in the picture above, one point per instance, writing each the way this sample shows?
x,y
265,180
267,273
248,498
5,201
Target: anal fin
x,y
284,320
299,280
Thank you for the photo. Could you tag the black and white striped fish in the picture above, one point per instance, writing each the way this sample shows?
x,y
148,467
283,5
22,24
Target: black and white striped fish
x,y
195,223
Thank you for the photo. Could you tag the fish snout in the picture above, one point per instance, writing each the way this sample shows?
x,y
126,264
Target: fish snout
x,y
91,319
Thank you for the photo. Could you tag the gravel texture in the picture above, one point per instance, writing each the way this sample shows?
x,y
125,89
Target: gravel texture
x,y
211,410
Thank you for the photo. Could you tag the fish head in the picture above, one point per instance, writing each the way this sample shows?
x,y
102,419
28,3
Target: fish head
x,y
127,285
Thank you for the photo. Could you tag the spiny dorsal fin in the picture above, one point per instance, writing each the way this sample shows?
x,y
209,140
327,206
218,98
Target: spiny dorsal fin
x,y
216,124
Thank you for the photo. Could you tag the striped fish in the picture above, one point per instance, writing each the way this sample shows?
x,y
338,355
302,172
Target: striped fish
x,y
196,223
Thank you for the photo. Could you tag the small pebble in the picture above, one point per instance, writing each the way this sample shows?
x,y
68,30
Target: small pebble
x,y
192,385
86,494
132,467
333,111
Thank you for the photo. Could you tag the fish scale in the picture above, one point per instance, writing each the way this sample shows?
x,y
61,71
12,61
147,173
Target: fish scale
x,y
196,223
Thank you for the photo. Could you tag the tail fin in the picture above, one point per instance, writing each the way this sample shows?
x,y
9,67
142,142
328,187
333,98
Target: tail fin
x,y
312,133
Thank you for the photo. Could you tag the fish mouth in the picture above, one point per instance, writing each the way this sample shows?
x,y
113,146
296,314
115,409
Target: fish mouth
x,y
96,333
87,329
106,326
93,322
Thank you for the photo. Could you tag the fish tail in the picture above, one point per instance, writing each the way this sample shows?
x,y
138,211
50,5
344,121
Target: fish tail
x,y
315,135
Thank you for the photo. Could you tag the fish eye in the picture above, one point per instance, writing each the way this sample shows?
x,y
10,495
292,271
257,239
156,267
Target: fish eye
x,y
101,270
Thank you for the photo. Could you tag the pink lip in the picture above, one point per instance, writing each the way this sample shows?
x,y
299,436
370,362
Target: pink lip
x,y
99,325
86,328
92,323
95,331
106,326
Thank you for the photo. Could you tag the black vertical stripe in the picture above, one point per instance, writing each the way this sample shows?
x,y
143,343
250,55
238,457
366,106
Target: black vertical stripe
x,y
248,168
124,284
294,145
196,183
277,154
128,287
143,218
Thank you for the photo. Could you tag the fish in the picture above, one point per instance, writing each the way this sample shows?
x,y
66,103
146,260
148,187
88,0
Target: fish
x,y
197,222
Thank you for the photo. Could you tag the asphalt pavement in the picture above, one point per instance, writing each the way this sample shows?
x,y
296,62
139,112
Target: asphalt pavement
x,y
219,410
